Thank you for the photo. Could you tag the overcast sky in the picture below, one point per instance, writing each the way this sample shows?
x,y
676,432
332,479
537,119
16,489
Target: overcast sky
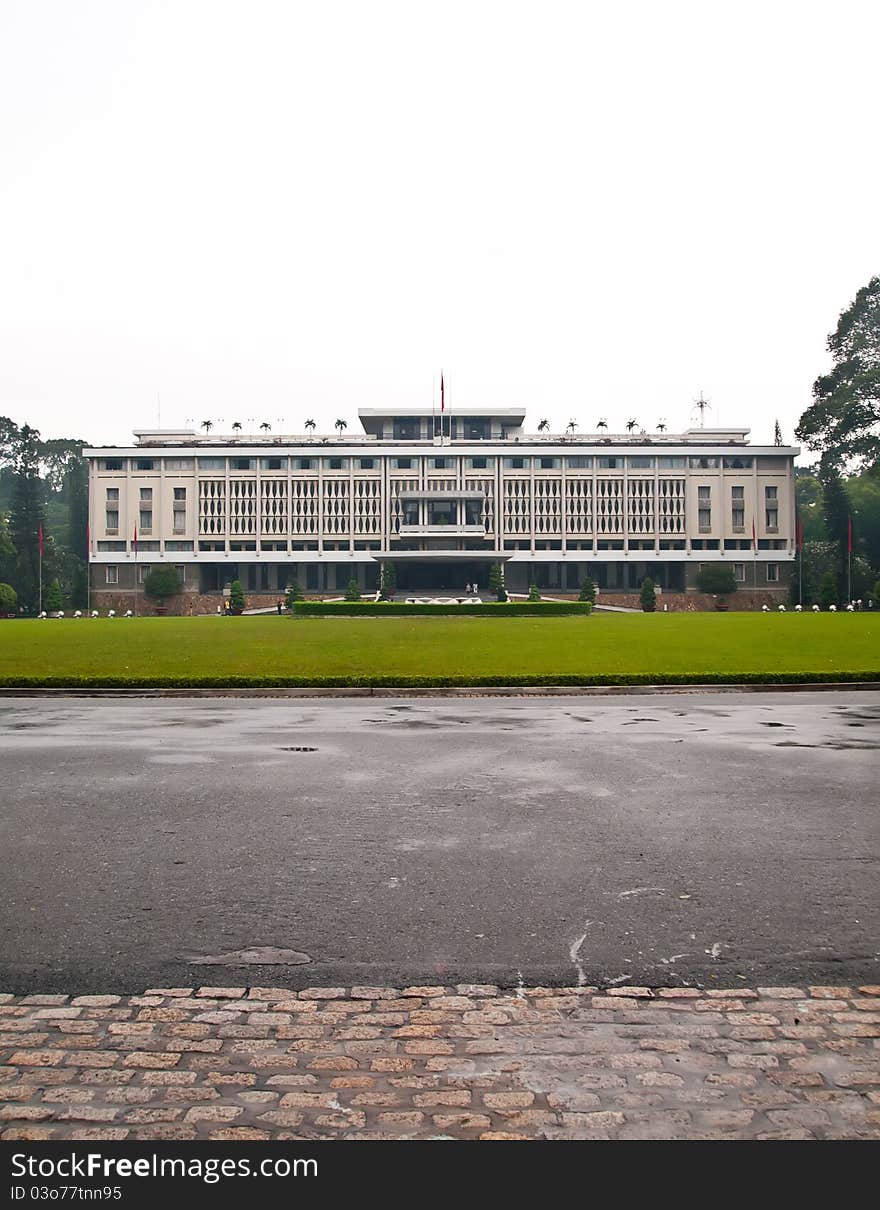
x,y
268,210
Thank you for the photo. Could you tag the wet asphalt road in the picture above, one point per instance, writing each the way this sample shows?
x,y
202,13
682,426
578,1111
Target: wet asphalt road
x,y
696,837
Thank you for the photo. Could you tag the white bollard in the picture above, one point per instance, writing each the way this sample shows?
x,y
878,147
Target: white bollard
x,y
765,609
94,613
60,613
832,609
77,613
782,609
129,614
798,608
850,609
43,614
816,609
111,613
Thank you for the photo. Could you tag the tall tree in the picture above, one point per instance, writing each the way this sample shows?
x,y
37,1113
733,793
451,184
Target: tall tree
x,y
843,421
836,511
28,514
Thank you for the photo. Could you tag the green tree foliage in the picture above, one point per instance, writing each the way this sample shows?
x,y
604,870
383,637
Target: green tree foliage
x,y
236,596
843,421
534,592
7,552
588,592
162,582
648,596
836,510
716,578
8,598
294,593
353,592
28,513
828,590
864,496
808,493
53,600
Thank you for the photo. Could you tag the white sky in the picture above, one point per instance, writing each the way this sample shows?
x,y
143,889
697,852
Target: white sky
x,y
281,210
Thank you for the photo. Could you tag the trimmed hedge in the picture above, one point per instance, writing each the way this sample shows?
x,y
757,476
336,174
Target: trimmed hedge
x,y
512,681
387,609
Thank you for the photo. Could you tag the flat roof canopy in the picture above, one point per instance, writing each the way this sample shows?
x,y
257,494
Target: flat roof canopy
x,y
440,556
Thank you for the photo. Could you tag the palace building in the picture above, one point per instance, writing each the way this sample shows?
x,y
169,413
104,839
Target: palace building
x,y
442,498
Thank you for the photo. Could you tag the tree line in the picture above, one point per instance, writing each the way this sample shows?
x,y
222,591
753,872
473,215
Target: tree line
x,y
43,488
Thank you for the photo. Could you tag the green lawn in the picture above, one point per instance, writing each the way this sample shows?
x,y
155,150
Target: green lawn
x,y
602,648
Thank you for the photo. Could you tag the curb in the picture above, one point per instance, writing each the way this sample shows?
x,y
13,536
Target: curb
x,y
446,691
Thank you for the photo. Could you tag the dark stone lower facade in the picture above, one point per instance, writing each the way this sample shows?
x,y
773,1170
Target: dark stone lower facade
x,y
206,585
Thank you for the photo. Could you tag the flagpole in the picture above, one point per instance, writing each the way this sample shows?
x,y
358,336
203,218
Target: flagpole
x,y
848,560
135,571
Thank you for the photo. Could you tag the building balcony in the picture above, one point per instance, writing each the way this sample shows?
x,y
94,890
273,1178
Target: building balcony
x,y
446,531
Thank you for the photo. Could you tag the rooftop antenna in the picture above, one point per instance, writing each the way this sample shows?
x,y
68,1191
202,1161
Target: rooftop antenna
x,y
702,405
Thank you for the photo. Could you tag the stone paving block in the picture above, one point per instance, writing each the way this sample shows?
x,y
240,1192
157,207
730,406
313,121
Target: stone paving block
x,y
470,1061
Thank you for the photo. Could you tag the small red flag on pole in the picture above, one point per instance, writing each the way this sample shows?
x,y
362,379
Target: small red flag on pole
x,y
800,533
442,394
40,542
754,538
135,541
849,535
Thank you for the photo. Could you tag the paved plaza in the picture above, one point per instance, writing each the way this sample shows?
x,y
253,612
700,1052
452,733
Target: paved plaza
x,y
468,1062
639,916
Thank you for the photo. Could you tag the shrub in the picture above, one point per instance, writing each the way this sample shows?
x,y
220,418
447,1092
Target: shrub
x,y
162,581
353,592
365,609
588,592
236,596
828,590
716,578
8,598
294,593
53,602
648,596
534,592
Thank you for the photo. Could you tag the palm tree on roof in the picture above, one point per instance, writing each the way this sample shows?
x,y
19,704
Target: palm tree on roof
x,y
207,425
236,426
631,424
341,425
265,427
661,427
571,426
543,426
310,426
602,424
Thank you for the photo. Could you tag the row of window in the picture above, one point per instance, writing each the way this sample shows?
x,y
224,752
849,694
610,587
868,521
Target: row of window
x,y
145,510
111,573
525,462
737,508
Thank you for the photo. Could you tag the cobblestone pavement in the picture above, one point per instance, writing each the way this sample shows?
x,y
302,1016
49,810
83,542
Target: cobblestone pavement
x,y
471,1062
